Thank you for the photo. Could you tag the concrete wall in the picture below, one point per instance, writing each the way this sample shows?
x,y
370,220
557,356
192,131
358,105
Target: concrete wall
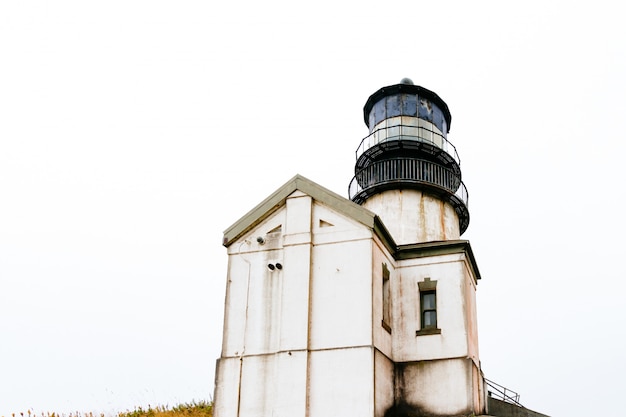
x,y
341,383
453,314
437,388
384,384
436,373
412,216
382,336
499,408
341,295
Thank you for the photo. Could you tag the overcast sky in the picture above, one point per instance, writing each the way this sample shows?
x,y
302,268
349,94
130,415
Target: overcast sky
x,y
132,133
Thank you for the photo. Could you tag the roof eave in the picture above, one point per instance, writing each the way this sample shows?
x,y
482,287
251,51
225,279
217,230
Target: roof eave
x,y
444,247
278,198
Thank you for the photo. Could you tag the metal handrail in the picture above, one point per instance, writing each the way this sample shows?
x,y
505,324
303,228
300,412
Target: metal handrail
x,y
408,133
418,171
503,393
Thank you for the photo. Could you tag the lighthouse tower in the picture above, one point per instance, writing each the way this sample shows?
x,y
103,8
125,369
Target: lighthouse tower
x,y
406,170
360,306
409,174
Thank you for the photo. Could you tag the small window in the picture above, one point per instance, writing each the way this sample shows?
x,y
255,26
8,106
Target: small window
x,y
428,308
428,302
386,322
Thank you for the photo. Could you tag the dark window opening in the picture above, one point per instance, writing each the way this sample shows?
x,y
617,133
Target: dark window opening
x,y
386,322
428,302
428,308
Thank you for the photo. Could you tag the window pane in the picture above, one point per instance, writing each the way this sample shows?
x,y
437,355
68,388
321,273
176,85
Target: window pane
x,y
386,301
428,301
372,120
409,105
425,110
393,106
379,111
430,319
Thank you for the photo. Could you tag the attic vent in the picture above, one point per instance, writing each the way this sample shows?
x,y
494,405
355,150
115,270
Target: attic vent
x,y
324,223
277,229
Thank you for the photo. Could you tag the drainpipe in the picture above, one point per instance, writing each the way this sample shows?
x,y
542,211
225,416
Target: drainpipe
x,y
245,326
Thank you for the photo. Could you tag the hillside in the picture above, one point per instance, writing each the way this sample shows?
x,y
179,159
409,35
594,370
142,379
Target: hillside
x,y
195,409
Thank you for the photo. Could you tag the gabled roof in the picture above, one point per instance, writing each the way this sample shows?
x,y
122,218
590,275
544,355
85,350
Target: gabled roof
x,y
278,198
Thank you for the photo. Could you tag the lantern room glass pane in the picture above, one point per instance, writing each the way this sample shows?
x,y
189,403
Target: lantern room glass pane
x,y
379,111
372,119
409,105
438,119
425,110
393,106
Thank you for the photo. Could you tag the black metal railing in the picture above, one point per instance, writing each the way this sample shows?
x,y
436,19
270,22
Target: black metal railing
x,y
407,170
407,133
502,393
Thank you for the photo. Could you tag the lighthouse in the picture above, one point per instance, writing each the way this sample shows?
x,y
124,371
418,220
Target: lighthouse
x,y
359,306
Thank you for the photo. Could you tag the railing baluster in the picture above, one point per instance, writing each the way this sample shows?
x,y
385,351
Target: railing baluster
x,y
423,135
410,171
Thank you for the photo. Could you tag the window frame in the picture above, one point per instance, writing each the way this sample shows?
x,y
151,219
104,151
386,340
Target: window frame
x,y
386,295
427,287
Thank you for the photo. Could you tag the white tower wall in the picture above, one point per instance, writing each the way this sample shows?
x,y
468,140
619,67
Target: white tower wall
x,y
413,216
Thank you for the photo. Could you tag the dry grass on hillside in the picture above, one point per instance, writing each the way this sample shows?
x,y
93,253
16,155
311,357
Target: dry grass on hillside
x,y
195,409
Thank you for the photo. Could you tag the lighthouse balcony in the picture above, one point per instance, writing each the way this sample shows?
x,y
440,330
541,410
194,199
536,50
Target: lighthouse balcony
x,y
421,139
410,173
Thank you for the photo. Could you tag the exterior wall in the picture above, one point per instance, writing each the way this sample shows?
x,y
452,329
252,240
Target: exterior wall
x,y
341,382
298,340
413,216
226,387
503,409
436,374
471,315
452,313
437,388
384,384
260,385
382,336
341,296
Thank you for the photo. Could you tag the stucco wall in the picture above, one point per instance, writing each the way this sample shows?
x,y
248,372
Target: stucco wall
x,y
438,388
384,385
341,383
413,216
502,409
452,316
382,336
341,295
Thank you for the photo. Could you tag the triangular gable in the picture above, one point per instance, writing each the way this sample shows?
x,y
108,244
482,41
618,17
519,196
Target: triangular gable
x,y
278,198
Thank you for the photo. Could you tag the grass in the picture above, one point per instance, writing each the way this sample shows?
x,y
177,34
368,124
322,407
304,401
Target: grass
x,y
194,409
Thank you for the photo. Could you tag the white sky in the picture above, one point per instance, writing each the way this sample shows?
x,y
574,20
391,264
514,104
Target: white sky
x,y
132,133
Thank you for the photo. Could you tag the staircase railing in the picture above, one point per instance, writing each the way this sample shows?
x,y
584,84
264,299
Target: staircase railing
x,y
502,393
